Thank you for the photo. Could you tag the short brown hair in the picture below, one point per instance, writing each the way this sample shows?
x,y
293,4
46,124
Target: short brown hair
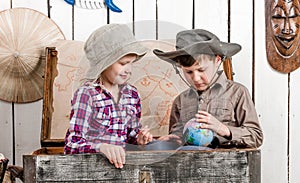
x,y
188,60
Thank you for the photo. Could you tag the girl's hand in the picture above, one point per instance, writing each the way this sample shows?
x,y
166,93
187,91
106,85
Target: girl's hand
x,y
144,136
210,122
115,154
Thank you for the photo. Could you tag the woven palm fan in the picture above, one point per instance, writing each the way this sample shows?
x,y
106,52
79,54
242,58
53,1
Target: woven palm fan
x,y
24,34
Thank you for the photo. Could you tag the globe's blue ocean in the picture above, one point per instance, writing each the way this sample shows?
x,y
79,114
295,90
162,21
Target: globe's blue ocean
x,y
195,135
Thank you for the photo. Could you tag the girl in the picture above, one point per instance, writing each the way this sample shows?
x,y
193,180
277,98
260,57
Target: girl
x,y
106,110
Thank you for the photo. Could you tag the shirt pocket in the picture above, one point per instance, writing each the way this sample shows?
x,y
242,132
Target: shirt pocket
x,y
221,109
101,121
131,110
102,109
128,116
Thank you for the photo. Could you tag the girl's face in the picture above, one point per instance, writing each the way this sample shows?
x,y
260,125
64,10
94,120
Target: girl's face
x,y
120,71
201,73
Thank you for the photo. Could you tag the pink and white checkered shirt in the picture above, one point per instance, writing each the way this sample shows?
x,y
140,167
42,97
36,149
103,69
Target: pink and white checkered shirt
x,y
95,118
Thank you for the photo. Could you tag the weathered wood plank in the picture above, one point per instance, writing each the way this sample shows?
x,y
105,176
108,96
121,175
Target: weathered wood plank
x,y
6,130
239,29
271,101
178,18
254,167
30,163
65,24
145,19
87,21
216,23
294,126
126,16
27,116
152,166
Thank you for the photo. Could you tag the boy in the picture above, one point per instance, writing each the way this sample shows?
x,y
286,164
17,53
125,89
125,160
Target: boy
x,y
221,105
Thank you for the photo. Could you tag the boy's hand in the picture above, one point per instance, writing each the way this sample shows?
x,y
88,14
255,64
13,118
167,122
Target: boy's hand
x,y
210,122
115,154
144,136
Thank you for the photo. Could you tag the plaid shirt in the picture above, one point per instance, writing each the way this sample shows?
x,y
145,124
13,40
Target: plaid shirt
x,y
95,118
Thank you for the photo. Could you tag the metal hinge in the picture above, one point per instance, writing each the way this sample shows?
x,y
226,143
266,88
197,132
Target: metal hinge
x,y
144,176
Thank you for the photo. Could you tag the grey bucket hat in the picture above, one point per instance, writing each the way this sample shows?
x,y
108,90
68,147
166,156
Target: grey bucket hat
x,y
198,41
108,44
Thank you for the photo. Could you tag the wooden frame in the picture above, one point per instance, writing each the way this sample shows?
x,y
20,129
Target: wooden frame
x,y
51,63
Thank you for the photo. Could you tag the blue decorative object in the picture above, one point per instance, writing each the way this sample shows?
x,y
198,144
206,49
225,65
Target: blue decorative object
x,y
195,135
94,4
112,6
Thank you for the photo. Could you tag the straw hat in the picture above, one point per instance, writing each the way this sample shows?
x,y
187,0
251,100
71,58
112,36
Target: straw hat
x,y
198,41
24,34
108,44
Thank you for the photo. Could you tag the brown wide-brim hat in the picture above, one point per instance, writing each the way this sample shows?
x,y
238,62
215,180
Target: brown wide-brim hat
x,y
108,44
198,41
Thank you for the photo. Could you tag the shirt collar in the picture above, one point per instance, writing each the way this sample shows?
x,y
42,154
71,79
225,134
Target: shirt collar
x,y
220,82
124,88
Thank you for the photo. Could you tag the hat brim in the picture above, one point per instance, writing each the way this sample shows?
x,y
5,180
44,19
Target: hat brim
x,y
222,49
131,48
22,54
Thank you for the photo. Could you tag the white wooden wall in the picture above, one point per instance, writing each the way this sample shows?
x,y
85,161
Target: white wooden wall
x,y
275,94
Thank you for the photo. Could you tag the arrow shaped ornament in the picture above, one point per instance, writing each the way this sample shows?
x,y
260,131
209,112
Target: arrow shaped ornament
x,y
95,4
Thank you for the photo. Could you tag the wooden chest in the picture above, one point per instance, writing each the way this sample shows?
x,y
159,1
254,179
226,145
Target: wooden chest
x,y
148,166
158,84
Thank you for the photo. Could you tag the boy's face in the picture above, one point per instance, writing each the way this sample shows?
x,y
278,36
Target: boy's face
x,y
201,73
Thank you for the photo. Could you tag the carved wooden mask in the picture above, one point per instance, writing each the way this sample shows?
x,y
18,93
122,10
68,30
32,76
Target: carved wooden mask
x,y
283,34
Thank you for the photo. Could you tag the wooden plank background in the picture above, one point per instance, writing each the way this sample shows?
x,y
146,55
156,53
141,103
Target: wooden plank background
x,y
275,94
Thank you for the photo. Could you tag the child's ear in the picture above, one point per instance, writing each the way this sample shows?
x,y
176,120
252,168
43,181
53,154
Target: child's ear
x,y
218,59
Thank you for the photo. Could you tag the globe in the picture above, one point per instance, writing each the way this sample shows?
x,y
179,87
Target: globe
x,y
194,135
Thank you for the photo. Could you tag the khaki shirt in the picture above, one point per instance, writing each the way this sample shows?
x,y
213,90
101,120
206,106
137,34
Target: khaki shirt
x,y
230,103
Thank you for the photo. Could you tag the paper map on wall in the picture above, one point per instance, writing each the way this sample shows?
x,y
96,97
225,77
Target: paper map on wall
x,y
69,55
158,84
